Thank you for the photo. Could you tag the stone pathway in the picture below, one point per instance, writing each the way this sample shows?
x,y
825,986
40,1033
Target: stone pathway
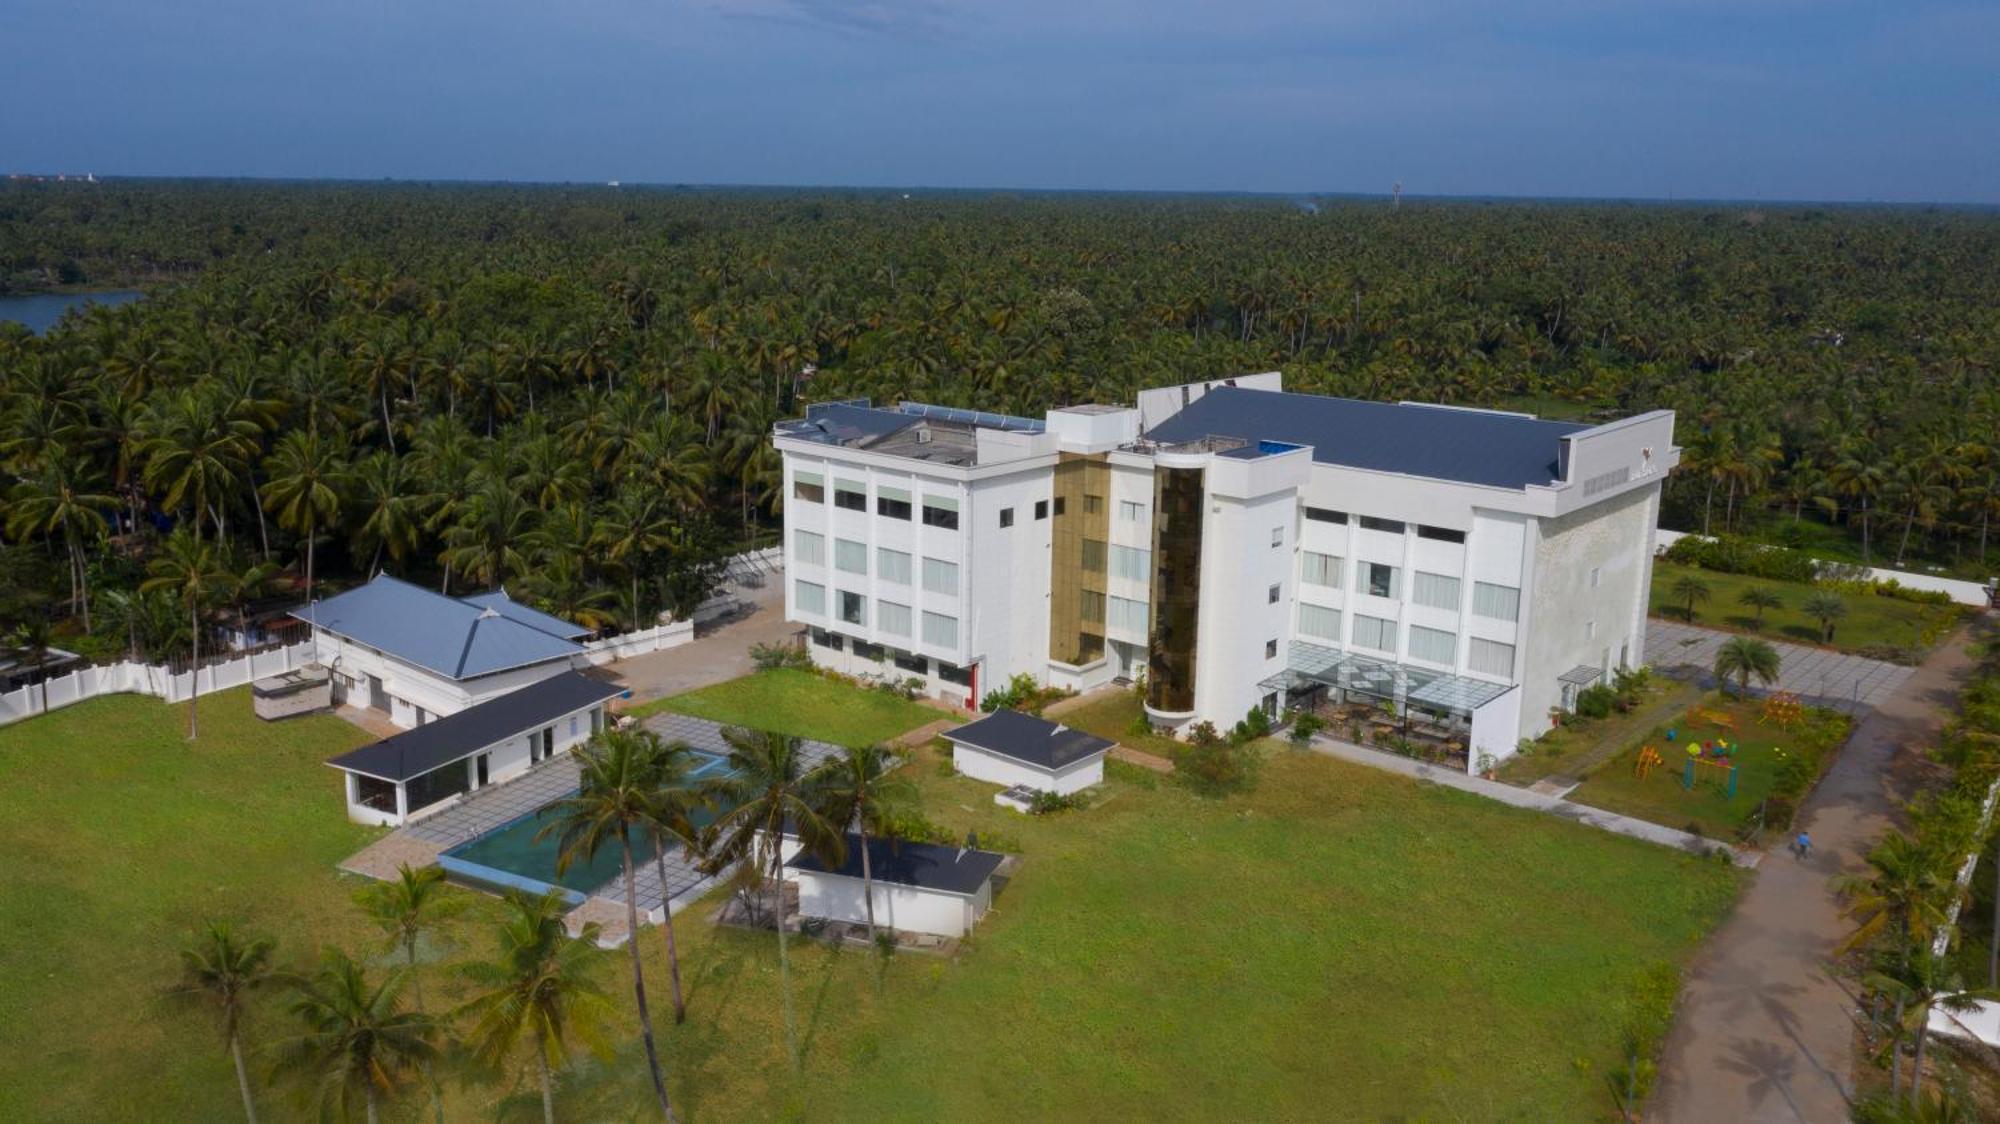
x,y
1530,799
1763,1032
383,858
1817,675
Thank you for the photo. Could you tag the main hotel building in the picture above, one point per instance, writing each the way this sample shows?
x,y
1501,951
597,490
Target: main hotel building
x,y
1231,546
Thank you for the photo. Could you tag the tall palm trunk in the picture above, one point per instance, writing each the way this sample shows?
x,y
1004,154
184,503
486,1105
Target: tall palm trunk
x,y
667,925
1903,547
1917,1065
548,1080
639,976
194,673
867,883
374,1108
242,1078
784,953
417,995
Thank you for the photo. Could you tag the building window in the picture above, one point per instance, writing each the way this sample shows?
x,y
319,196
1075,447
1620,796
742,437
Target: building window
x,y
1059,505
1270,649
1320,569
1498,602
1093,555
1319,622
1006,517
809,487
373,792
915,665
941,577
1041,509
869,651
1389,526
1125,614
892,566
1131,562
1590,630
1378,579
1435,590
890,507
1091,605
853,608
1435,645
1489,657
826,639
892,618
940,630
850,556
1092,504
1271,595
1130,511
1440,534
1277,536
1374,632
952,673
1596,576
809,597
1325,515
850,495
808,548
941,512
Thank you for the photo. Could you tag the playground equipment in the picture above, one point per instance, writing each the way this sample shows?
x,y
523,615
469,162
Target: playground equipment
x,y
1649,759
1783,710
1720,763
1721,720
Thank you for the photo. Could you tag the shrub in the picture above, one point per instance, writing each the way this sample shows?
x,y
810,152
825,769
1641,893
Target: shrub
x,y
1022,693
1596,701
1729,554
1304,725
1256,724
770,657
1047,803
1213,767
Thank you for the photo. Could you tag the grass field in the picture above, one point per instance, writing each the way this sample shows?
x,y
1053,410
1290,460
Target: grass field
x,y
1340,941
801,703
1763,751
1870,620
1580,744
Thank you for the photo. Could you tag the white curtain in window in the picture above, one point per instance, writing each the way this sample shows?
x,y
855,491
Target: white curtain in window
x,y
1432,644
1500,602
810,597
1374,632
892,566
809,548
850,556
941,630
1488,657
1436,591
1320,569
892,618
1319,622
941,576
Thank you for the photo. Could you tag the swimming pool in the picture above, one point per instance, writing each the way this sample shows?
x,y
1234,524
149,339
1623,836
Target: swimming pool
x,y
511,857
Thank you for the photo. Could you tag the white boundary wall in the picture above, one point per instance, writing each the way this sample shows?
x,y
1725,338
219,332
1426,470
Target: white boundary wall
x,y
151,679
1963,592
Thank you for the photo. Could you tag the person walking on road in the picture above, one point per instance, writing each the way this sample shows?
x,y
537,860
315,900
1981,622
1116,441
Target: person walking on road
x,y
1802,846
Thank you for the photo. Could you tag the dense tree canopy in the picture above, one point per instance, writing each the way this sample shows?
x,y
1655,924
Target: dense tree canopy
x,y
569,390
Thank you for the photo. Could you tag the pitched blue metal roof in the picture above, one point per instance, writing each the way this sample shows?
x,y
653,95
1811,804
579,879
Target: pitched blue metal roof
x,y
1469,446
497,600
455,637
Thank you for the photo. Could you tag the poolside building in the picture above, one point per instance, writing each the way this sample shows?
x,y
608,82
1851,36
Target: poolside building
x,y
919,887
1015,750
1232,546
415,654
422,770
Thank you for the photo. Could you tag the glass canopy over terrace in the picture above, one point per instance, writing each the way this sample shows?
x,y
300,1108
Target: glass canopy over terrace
x,y
1311,666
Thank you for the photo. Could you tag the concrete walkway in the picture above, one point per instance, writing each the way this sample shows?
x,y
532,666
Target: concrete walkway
x,y
719,651
1527,798
1816,675
1763,1032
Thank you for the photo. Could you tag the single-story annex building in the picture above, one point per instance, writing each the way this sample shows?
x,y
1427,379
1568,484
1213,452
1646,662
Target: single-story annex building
x,y
919,887
415,654
1012,749
401,777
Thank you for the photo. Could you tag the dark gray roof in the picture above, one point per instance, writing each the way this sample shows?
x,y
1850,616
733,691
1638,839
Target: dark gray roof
x,y
454,737
459,638
1028,739
843,423
1469,446
925,866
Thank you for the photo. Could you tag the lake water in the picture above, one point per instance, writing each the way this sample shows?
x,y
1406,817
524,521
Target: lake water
x,y
40,311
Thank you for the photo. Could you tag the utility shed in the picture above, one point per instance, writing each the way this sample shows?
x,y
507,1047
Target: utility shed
x,y
919,887
1009,748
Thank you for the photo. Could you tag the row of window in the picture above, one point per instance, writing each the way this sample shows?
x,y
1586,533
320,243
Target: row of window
x,y
907,661
890,503
1390,526
891,617
809,547
1436,591
1434,645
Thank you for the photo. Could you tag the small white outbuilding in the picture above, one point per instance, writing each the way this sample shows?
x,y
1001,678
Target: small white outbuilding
x,y
919,887
1012,749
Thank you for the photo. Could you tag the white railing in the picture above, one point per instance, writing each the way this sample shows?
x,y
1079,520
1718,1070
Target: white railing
x,y
1962,592
127,677
626,645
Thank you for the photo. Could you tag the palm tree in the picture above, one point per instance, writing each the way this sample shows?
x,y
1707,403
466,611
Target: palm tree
x,y
220,969
1904,896
1827,608
677,797
187,568
861,789
394,520
1689,589
197,452
61,500
772,792
614,799
633,527
538,990
1760,599
34,636
1920,983
1743,657
485,543
309,476
414,902
357,1040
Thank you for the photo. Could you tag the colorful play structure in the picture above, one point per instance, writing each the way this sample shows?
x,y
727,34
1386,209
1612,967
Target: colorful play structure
x,y
1718,755
1782,710
1649,759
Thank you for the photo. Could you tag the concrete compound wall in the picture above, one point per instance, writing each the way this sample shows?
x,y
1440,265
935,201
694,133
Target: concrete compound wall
x,y
126,677
1962,592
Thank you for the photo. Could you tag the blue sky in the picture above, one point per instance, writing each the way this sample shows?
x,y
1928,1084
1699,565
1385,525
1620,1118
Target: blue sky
x,y
1780,99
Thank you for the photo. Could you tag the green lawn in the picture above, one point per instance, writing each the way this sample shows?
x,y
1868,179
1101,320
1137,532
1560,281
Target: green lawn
x,y
804,704
1338,940
1707,807
1870,620
1579,745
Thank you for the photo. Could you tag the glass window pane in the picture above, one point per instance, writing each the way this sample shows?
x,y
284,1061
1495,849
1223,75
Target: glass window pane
x,y
850,556
809,548
809,597
941,576
892,566
1435,590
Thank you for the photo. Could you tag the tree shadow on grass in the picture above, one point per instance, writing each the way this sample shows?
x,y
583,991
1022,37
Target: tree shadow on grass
x,y
1804,634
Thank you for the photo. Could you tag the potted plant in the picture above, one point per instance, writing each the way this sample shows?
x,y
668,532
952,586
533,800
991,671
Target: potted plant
x,y
1485,764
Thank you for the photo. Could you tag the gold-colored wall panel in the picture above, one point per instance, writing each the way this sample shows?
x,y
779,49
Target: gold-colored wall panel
x,y
1081,514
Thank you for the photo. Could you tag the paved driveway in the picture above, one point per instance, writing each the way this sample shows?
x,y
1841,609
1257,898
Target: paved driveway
x,y
1816,675
720,651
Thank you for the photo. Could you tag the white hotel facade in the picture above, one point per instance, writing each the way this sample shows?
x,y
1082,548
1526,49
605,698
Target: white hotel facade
x,y
1234,546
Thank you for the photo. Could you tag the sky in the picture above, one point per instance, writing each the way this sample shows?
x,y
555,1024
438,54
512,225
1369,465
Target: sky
x,y
1889,100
